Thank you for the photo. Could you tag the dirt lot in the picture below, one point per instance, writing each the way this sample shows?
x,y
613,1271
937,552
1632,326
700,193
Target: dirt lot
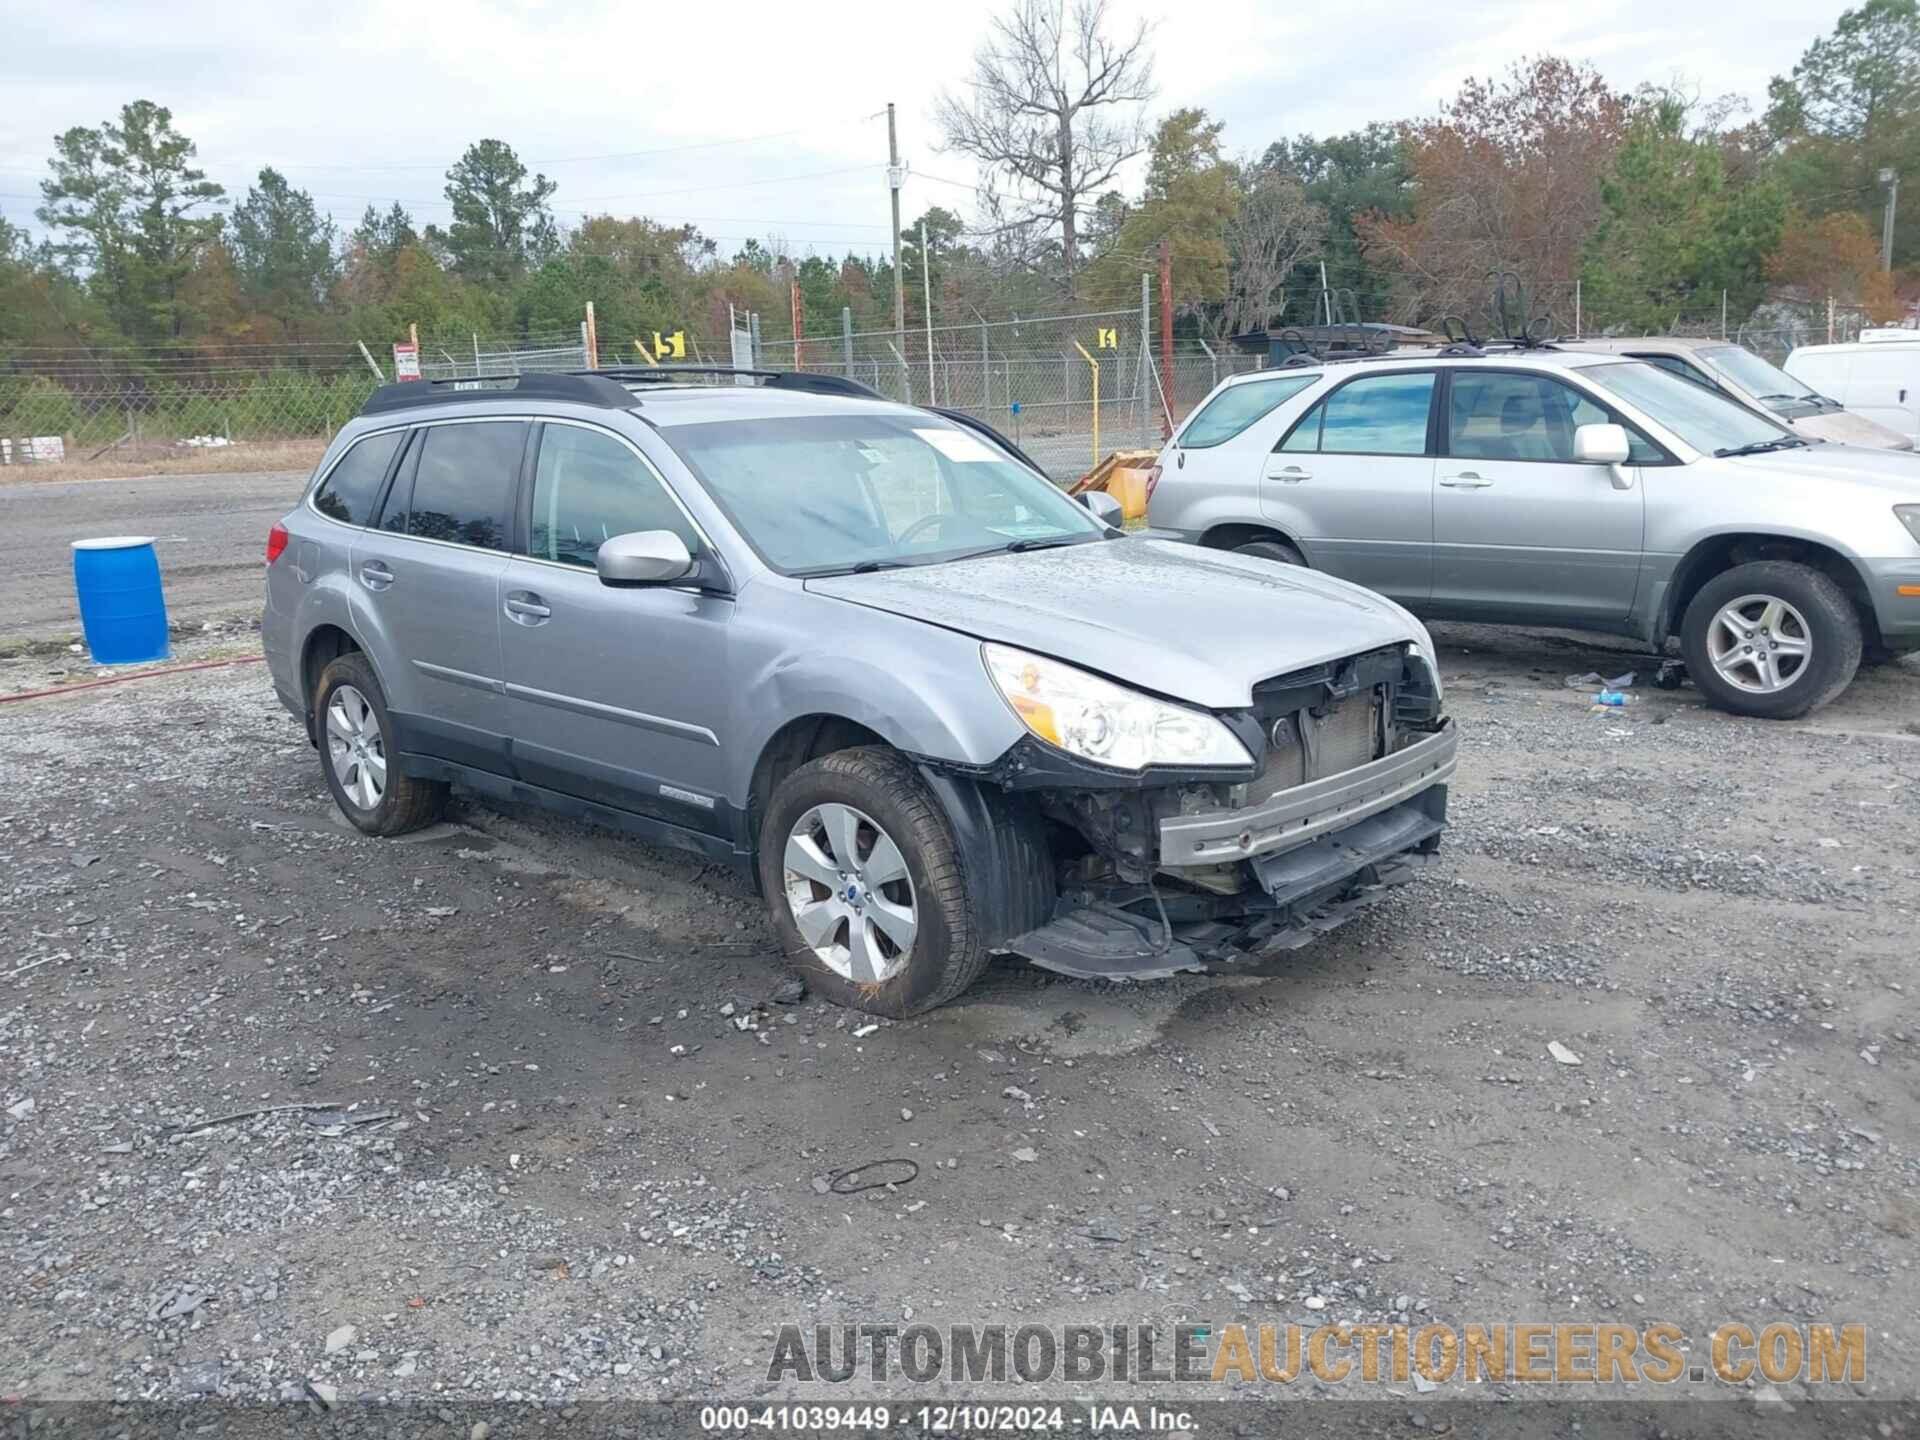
x,y
591,1182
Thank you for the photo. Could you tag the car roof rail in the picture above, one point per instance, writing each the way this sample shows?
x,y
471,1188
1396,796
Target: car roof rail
x,y
536,385
808,382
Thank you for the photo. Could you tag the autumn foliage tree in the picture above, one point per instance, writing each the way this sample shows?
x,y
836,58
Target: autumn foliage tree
x,y
1835,255
1506,177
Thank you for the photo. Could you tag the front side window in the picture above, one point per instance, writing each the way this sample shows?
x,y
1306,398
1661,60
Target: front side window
x,y
1237,407
1375,415
1706,421
820,493
348,492
462,484
588,488
1504,415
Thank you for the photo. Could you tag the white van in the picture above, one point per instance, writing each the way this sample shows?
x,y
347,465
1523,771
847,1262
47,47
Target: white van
x,y
1877,377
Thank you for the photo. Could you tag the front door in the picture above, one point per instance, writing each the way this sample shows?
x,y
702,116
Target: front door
x,y
612,692
426,588
1353,480
1520,531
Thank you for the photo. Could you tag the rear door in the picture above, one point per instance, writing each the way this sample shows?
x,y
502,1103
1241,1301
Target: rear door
x,y
427,588
613,694
1352,479
1520,530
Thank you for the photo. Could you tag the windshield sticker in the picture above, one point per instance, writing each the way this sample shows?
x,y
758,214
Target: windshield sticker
x,y
958,445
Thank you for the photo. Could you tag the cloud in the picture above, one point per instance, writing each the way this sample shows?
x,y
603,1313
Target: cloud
x,y
368,101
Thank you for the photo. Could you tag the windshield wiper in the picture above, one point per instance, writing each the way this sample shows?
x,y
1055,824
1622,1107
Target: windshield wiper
x,y
867,567
1034,542
1761,447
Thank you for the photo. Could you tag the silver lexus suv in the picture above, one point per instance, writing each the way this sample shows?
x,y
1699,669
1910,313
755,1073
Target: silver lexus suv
x,y
866,651
1538,486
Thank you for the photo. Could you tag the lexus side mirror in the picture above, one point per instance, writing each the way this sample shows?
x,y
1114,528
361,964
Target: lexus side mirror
x,y
1104,507
643,557
1600,445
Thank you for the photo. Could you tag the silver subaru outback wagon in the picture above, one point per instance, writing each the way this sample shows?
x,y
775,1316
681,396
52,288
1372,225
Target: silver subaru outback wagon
x,y
865,650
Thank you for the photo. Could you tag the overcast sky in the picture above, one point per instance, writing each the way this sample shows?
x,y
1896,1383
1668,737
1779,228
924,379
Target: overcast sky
x,y
753,118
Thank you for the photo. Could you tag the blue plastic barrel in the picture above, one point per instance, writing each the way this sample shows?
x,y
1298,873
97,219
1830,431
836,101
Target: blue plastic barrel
x,y
122,607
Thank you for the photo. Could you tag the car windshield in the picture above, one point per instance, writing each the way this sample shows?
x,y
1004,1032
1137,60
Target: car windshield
x,y
1698,416
1754,375
826,493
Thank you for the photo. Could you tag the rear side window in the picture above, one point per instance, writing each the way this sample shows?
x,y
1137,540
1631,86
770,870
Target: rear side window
x,y
1375,415
462,484
588,488
348,492
1237,407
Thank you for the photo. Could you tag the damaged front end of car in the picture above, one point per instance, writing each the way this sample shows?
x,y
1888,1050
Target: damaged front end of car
x,y
1223,867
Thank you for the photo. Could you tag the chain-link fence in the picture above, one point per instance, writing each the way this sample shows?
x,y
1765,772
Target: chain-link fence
x,y
1069,389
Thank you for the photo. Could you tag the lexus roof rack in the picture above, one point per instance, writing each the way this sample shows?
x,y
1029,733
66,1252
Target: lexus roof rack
x,y
608,389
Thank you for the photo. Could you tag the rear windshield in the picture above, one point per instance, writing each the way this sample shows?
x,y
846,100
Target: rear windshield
x,y
1237,407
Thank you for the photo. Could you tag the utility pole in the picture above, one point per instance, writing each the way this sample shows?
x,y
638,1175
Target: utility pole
x,y
1166,333
895,176
1890,178
926,291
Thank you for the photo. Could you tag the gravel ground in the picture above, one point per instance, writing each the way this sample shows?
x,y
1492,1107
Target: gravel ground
x,y
510,1109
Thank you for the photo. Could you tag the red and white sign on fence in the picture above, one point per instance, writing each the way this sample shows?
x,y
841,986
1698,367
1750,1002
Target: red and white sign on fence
x,y
406,362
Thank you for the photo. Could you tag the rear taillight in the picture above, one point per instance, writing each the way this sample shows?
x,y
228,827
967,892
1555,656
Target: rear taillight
x,y
1153,480
276,542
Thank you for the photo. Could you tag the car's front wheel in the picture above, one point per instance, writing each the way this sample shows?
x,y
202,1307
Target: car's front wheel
x,y
861,872
1771,639
357,754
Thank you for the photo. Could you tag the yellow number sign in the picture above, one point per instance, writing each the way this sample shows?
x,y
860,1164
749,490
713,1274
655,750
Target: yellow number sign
x,y
1107,339
670,347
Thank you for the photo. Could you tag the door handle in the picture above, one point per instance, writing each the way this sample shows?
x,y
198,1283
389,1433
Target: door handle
x,y
527,607
1465,480
375,575
1290,475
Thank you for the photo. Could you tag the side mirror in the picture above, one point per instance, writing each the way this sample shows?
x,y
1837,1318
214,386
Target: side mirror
x,y
1104,507
643,557
1600,445
1605,445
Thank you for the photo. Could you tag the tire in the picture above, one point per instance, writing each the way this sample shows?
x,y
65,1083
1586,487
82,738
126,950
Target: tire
x,y
945,954
1272,550
400,803
1815,605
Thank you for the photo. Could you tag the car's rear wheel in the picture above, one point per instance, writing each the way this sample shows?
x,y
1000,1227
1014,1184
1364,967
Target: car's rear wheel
x,y
1771,639
357,754
1272,550
862,876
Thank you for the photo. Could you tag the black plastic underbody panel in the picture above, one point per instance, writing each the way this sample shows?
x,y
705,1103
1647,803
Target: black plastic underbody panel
x,y
1300,895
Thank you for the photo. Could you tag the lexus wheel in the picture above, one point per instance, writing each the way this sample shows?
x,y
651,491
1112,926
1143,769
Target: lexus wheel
x,y
1771,639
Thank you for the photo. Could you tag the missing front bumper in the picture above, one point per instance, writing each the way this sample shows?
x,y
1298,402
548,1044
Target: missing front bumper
x,y
1302,894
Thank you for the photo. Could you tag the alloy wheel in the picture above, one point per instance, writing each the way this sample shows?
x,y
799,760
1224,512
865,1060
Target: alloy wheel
x,y
356,748
1759,644
848,890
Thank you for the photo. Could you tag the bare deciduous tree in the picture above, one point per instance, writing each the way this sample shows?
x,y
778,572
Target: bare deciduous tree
x,y
1054,108
1275,229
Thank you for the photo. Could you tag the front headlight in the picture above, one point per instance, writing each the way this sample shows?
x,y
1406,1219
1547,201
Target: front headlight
x,y
1103,722
1909,517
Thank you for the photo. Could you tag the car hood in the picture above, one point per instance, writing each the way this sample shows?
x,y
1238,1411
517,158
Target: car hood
x,y
1845,429
1896,472
1196,625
